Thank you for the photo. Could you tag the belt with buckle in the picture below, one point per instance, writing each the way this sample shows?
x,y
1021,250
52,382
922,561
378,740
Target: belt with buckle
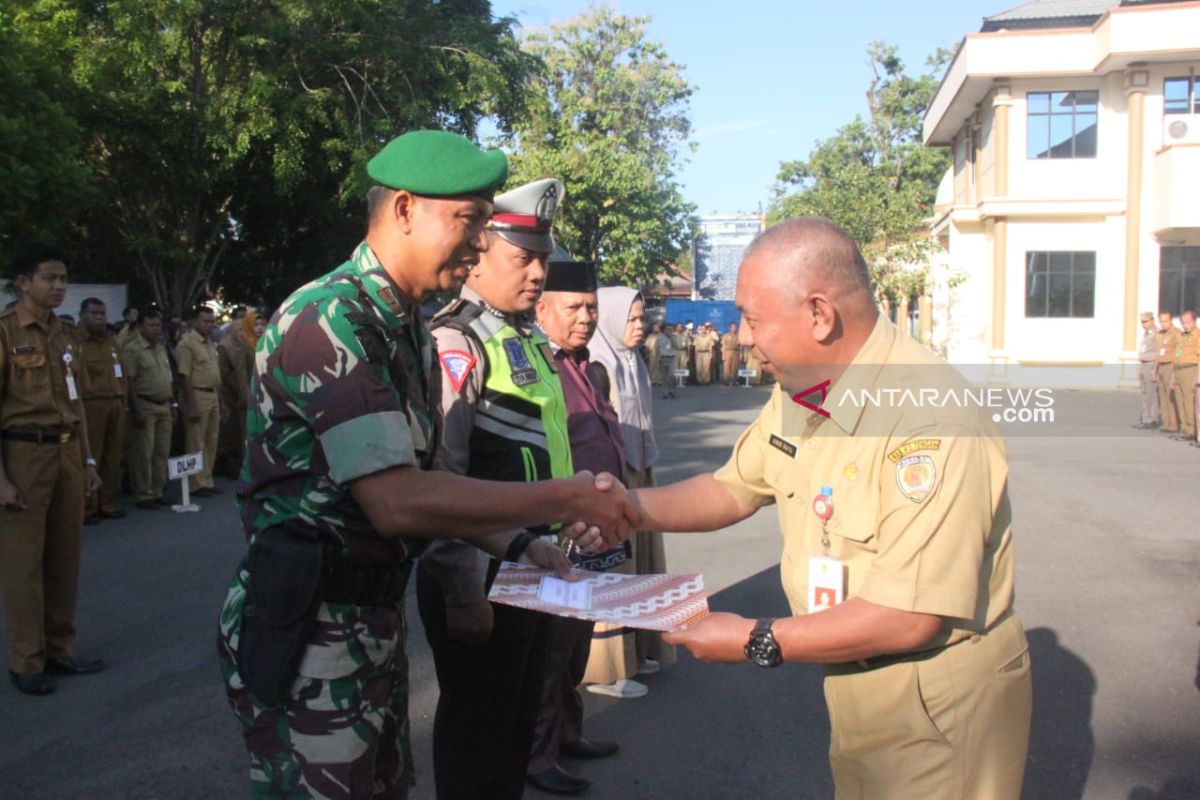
x,y
205,388
365,586
38,437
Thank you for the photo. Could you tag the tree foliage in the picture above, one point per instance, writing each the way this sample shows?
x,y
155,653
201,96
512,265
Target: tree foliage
x,y
226,140
874,177
608,117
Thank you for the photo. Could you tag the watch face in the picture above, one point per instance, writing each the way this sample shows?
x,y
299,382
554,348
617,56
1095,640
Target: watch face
x,y
763,650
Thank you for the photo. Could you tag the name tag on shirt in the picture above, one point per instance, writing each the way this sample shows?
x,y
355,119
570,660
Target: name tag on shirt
x,y
826,583
72,391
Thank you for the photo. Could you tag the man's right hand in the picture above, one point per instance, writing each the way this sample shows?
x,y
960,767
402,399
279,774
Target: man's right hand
x,y
606,516
10,498
470,624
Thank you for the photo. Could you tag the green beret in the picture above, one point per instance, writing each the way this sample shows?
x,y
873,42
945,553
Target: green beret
x,y
439,164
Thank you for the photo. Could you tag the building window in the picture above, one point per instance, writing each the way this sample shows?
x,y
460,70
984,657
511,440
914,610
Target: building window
x,y
1062,124
1180,95
1060,284
1179,279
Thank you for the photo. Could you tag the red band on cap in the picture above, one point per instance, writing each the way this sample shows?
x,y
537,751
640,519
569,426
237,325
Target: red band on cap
x,y
519,220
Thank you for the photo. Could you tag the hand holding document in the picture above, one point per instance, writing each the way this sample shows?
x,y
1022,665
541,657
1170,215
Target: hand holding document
x,y
648,602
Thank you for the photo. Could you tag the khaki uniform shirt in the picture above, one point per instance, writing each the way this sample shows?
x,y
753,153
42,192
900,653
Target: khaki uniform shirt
x,y
706,341
1187,349
35,359
921,516
729,343
1148,349
1166,345
102,363
148,369
198,360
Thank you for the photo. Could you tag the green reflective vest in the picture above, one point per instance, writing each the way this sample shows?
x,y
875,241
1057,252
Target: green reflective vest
x,y
520,431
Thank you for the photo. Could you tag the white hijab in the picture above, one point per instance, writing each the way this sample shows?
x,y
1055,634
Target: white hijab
x,y
628,378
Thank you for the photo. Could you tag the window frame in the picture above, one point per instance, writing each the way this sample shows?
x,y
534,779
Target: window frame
x,y
1076,276
1193,94
1050,114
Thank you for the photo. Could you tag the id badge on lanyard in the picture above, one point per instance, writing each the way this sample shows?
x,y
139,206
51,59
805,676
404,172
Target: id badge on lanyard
x,y
72,389
826,574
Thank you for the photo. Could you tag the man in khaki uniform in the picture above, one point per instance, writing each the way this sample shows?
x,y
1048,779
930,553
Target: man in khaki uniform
x,y
706,342
104,403
1168,335
1147,355
731,352
152,409
1185,357
46,468
201,378
897,558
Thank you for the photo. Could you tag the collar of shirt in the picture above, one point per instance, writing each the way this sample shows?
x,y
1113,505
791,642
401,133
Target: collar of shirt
x,y
518,322
25,319
394,306
862,373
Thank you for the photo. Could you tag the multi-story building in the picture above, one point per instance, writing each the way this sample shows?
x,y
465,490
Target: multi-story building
x,y
717,253
1072,203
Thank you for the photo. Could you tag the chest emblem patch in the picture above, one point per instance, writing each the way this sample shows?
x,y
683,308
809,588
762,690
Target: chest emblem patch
x,y
915,476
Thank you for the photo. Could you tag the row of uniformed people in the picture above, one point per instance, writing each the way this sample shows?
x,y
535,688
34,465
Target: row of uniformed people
x,y
705,354
1169,359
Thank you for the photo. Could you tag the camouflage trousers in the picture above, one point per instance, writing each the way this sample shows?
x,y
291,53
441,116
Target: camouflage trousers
x,y
344,732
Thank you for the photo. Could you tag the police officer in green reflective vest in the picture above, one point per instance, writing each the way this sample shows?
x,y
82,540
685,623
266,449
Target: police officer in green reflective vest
x,y
505,419
337,492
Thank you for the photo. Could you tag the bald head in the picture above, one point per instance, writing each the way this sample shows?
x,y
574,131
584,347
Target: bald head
x,y
812,254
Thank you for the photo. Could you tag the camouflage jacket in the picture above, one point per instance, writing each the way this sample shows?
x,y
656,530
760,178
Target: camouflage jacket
x,y
343,387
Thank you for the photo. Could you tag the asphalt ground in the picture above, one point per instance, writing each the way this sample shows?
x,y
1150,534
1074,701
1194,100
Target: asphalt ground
x,y
1108,587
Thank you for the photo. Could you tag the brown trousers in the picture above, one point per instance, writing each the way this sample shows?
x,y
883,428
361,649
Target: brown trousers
x,y
202,437
149,448
704,366
39,552
106,435
1185,388
730,365
1166,397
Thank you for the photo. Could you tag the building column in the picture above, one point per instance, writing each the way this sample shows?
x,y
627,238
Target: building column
x,y
925,318
1137,81
1001,103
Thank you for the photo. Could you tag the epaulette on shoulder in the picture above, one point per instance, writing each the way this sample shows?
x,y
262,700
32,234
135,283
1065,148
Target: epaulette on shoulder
x,y
458,314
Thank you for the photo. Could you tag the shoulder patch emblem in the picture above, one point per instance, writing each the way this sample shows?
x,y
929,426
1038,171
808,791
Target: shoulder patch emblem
x,y
783,445
912,447
458,365
915,476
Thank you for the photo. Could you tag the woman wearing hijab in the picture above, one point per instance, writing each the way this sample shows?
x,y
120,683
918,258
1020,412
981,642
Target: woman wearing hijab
x,y
235,355
619,653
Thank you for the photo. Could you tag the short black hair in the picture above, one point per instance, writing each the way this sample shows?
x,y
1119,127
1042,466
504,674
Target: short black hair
x,y
88,302
130,308
198,310
28,256
149,312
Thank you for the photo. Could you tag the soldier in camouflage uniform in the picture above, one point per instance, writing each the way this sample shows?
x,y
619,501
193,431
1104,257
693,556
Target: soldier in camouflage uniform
x,y
341,431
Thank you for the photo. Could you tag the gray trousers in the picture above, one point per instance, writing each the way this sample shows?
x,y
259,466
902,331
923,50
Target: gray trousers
x,y
1150,410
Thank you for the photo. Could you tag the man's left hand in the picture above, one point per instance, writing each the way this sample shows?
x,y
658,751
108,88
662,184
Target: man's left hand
x,y
541,553
91,479
719,637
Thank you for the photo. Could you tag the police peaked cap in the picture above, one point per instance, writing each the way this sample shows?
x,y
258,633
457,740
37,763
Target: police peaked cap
x,y
523,216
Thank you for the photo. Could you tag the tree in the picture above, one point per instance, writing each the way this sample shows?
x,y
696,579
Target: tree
x,y
609,118
222,131
40,145
874,177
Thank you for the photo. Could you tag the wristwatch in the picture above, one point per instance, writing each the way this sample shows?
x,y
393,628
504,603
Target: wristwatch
x,y
762,649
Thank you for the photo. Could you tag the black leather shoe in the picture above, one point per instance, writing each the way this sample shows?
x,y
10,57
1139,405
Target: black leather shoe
x,y
36,683
557,780
117,514
71,666
162,501
589,748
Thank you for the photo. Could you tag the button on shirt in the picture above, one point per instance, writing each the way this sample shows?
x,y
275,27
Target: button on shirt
x,y
921,514
148,369
33,372
198,361
99,358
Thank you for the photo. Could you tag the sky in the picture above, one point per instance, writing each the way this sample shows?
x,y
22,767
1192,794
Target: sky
x,y
772,77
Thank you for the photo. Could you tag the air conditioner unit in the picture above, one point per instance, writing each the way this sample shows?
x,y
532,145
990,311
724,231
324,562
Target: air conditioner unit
x,y
1181,129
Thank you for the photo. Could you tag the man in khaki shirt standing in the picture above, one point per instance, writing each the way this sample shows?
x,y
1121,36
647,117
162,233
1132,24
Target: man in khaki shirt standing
x,y
1185,358
46,469
201,399
706,342
152,409
1168,397
897,557
731,352
104,402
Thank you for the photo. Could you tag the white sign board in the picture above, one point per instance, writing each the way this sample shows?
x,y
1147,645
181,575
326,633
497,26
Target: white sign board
x,y
682,373
747,373
181,466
